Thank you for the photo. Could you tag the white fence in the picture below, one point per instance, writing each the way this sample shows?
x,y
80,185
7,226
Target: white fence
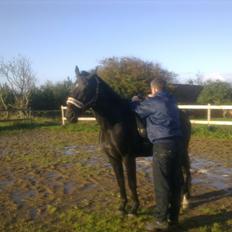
x,y
63,118
208,120
209,108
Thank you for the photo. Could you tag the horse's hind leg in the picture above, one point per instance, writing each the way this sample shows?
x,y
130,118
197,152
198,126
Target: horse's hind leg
x,y
187,181
118,170
130,164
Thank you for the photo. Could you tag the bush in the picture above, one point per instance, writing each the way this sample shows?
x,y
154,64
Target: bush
x,y
130,76
216,92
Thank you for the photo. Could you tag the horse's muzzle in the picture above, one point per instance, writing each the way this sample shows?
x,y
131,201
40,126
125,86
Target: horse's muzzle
x,y
72,116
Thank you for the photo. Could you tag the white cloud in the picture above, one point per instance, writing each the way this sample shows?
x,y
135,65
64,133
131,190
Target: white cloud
x,y
184,77
228,77
214,76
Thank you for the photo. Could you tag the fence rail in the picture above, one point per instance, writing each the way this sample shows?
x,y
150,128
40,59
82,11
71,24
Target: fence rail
x,y
208,120
13,115
209,109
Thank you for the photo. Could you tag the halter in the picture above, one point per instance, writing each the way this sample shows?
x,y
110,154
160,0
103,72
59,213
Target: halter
x,y
75,102
80,104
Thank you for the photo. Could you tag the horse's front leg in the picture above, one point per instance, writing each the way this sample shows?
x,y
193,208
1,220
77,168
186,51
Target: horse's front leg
x,y
118,170
130,163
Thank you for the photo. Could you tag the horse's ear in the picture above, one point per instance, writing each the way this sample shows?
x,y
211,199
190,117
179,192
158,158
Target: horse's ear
x,y
77,71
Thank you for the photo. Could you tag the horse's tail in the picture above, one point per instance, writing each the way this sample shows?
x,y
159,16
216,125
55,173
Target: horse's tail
x,y
186,166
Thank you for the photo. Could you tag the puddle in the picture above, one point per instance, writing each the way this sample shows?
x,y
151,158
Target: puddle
x,y
144,164
5,184
74,150
211,173
20,197
53,175
71,150
69,187
88,187
204,171
92,160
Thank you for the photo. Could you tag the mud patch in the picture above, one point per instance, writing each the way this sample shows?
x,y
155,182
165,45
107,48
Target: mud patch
x,y
5,184
19,197
61,172
204,171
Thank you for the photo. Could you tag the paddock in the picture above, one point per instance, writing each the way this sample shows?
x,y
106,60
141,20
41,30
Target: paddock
x,y
54,178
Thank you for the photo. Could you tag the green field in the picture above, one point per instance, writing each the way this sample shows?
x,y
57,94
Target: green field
x,y
223,132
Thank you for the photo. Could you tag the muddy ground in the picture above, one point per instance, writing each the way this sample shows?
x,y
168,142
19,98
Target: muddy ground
x,y
58,180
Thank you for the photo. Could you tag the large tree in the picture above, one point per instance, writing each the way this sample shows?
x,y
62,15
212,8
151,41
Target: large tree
x,y
130,76
6,99
20,79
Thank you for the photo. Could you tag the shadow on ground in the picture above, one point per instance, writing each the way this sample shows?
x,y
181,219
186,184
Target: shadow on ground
x,y
207,220
210,197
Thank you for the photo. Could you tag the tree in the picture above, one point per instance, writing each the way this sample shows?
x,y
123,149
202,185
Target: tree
x,y
51,96
6,98
197,81
20,79
216,92
43,98
130,76
61,91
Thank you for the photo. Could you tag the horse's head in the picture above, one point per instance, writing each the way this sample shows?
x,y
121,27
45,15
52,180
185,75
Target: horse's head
x,y
83,96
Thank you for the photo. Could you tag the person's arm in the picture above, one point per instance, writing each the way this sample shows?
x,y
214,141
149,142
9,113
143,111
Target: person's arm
x,y
143,109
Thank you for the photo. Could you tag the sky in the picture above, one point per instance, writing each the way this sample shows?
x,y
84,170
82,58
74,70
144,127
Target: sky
x,y
185,37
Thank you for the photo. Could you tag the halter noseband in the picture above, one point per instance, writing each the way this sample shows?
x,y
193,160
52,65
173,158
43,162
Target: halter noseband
x,y
81,105
75,102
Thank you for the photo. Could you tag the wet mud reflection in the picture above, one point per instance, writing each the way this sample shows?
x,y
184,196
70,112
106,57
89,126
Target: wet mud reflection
x,y
204,171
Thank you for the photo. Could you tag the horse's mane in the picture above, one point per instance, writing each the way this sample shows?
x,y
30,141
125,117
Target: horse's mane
x,y
109,92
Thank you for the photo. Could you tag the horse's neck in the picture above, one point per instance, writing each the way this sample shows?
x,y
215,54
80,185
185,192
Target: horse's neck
x,y
107,112
110,107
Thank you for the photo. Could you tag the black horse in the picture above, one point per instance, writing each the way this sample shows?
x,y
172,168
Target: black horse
x,y
119,136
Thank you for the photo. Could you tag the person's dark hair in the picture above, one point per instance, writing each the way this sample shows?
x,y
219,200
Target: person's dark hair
x,y
159,83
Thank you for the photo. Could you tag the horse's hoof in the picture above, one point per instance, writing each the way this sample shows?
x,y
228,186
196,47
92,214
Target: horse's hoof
x,y
134,208
185,203
133,212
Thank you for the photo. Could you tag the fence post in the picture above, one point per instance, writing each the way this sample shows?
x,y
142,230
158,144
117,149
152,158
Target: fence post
x,y
209,114
62,115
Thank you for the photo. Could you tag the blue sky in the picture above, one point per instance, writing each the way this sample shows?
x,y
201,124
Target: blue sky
x,y
185,37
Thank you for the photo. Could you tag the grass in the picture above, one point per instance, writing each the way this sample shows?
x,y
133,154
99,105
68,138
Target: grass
x,y
43,123
107,221
76,220
218,132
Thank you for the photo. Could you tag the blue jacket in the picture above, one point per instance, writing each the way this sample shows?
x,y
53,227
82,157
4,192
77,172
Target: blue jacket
x,y
161,115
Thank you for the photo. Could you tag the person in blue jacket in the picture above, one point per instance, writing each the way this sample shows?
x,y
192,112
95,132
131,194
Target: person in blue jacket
x,y
161,114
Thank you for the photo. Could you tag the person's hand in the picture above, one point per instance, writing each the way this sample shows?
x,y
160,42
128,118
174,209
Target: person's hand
x,y
135,98
150,95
